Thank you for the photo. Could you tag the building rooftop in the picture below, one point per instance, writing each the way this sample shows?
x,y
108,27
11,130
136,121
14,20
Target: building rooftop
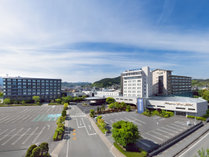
x,y
177,98
19,77
161,70
94,98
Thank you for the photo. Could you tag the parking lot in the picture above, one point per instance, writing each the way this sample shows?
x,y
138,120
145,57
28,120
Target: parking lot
x,y
154,130
22,126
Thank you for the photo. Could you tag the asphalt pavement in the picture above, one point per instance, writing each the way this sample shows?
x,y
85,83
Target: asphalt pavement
x,y
23,126
83,140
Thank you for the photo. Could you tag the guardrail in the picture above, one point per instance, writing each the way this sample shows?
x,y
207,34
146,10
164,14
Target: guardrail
x,y
175,139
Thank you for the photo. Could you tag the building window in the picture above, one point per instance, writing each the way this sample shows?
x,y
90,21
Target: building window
x,y
191,109
180,108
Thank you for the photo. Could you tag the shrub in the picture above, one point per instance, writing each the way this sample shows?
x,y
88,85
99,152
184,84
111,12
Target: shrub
x,y
61,119
36,152
111,106
58,101
189,116
128,108
7,101
55,135
110,100
30,149
44,148
201,118
92,113
98,117
66,105
63,113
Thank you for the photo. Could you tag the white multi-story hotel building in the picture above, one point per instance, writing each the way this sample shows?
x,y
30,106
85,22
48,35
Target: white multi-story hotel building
x,y
137,83
164,83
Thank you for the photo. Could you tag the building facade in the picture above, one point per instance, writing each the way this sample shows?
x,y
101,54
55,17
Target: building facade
x,y
20,88
137,83
164,83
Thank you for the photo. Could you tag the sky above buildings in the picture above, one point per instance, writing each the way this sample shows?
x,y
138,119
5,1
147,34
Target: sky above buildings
x,y
86,40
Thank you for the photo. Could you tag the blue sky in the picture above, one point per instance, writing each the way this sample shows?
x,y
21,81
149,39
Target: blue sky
x,y
86,40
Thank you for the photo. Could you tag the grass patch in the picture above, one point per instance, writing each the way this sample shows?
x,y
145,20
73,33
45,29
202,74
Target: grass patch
x,y
141,153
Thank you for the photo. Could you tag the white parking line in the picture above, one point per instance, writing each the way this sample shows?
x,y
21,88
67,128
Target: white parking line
x,y
30,135
138,120
11,137
181,123
177,129
7,134
3,132
178,126
132,121
154,132
154,136
168,129
35,139
21,136
165,132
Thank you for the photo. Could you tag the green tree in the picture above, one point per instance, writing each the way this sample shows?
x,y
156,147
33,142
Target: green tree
x,y
36,152
123,105
205,95
30,149
125,133
128,108
1,94
36,99
110,100
58,101
111,106
7,101
117,105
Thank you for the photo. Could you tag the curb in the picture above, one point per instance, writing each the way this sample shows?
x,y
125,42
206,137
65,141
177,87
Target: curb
x,y
115,152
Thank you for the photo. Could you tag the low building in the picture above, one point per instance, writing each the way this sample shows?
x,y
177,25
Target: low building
x,y
22,88
107,93
95,100
179,105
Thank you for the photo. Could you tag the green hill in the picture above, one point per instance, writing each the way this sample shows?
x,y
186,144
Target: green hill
x,y
200,82
106,82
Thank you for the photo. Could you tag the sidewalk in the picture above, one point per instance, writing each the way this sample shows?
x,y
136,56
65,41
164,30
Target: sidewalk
x,y
180,146
109,145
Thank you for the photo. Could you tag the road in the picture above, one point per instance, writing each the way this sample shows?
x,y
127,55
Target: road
x,y
83,140
203,142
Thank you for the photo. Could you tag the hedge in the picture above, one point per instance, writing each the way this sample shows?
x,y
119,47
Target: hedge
x,y
142,153
55,135
198,118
